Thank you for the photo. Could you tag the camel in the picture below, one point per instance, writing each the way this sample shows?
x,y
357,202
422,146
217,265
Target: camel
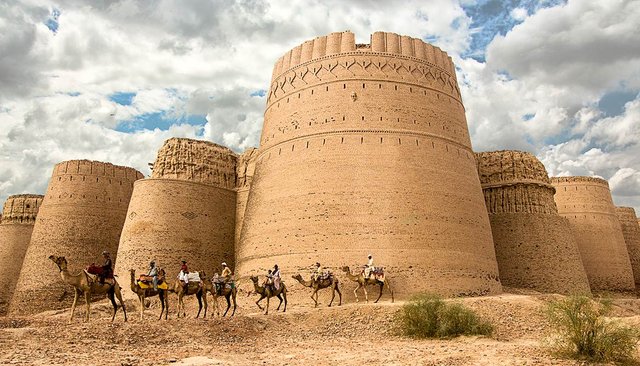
x,y
265,292
143,293
178,287
83,284
228,293
316,285
364,282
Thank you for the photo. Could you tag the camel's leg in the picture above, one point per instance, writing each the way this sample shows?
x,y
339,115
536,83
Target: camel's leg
x,y
284,294
333,293
228,303
258,302
112,297
87,300
166,302
379,295
355,292
339,293
199,297
141,298
267,308
279,298
313,297
161,297
75,301
234,292
389,287
366,294
206,304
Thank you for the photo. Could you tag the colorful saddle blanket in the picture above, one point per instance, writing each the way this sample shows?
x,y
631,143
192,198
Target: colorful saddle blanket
x,y
149,285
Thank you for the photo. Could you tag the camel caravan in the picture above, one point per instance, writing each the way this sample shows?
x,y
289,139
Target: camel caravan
x,y
100,280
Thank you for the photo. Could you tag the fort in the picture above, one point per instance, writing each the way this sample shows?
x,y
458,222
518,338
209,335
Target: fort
x,y
81,215
16,224
185,211
365,149
586,202
631,233
535,247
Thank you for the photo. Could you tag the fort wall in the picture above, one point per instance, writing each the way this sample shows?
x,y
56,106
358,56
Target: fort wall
x,y
366,150
81,215
586,202
16,225
186,211
535,247
631,233
244,175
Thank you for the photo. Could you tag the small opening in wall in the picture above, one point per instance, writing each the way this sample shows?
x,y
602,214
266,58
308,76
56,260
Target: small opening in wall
x,y
363,85
399,142
97,179
293,147
433,145
311,91
344,86
71,177
379,86
343,118
410,90
279,151
396,87
28,206
342,141
298,95
417,142
327,88
361,140
380,139
287,100
414,121
307,144
83,178
363,118
324,141
398,119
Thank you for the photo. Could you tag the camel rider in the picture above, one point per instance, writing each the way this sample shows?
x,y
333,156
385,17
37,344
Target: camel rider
x,y
276,277
107,267
184,275
317,274
368,267
153,272
226,272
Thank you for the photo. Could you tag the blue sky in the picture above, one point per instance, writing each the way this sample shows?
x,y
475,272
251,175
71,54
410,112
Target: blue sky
x,y
111,81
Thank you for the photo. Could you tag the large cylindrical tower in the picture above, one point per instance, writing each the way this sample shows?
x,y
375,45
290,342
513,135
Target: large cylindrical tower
x,y
81,215
185,211
534,245
631,232
16,224
586,202
365,149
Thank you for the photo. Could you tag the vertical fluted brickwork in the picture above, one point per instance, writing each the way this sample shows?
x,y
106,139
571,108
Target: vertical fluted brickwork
x,y
631,232
586,202
185,211
244,175
81,215
535,248
18,216
365,149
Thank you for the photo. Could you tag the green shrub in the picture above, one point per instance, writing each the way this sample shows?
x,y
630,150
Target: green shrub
x,y
582,331
428,316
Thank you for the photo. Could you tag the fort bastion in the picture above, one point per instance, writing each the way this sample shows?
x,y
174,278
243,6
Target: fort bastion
x,y
365,149
631,232
244,175
535,247
186,210
16,224
586,202
81,215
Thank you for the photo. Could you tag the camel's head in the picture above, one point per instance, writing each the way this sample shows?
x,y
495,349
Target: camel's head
x,y
61,262
203,275
254,279
132,271
297,276
345,269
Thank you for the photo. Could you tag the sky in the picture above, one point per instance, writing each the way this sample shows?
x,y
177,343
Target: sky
x,y
111,80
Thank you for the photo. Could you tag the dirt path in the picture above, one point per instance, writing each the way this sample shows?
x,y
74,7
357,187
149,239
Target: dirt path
x,y
353,334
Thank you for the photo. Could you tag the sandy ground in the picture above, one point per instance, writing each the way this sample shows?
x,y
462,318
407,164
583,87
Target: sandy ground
x,y
352,334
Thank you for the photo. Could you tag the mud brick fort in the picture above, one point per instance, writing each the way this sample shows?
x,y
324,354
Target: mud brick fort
x,y
365,149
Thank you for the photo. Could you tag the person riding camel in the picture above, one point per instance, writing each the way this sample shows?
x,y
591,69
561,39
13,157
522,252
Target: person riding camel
x,y
368,268
107,267
153,272
224,278
317,273
184,275
276,277
226,272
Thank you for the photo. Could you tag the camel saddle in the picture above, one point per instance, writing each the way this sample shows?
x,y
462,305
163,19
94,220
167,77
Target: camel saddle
x,y
162,285
376,273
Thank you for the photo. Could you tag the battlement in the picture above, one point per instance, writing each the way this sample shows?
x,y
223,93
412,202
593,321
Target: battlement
x,y
380,42
21,209
626,214
507,167
97,169
196,161
579,180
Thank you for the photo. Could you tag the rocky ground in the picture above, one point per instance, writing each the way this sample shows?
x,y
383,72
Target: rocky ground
x,y
352,334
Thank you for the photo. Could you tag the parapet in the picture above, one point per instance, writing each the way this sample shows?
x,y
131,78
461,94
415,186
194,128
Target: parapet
x,y
515,181
580,180
196,161
381,42
21,209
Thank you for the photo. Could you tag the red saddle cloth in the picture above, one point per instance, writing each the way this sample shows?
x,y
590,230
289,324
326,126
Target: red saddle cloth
x,y
95,270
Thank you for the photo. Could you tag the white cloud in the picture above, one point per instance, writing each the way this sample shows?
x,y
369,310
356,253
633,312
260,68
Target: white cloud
x,y
519,13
